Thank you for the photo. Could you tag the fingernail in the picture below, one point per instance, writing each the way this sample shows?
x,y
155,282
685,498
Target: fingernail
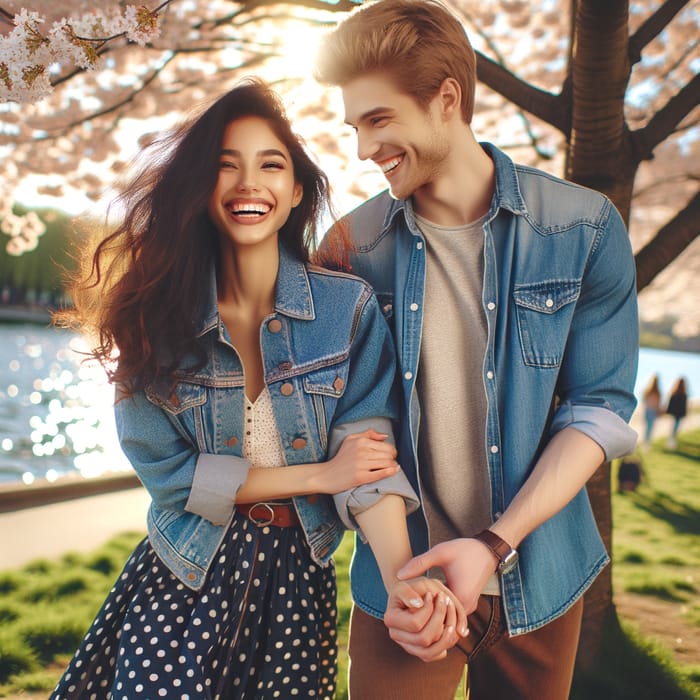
x,y
448,601
416,602
464,631
450,629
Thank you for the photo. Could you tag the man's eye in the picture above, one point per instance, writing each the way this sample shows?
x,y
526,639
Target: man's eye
x,y
227,165
378,121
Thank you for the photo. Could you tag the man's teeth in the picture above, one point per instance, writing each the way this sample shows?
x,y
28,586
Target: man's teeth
x,y
252,208
390,164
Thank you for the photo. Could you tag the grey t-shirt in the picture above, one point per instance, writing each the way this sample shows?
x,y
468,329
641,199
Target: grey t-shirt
x,y
452,438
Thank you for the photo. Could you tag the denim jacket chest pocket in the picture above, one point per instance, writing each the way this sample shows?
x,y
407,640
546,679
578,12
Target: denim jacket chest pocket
x,y
324,388
544,311
185,403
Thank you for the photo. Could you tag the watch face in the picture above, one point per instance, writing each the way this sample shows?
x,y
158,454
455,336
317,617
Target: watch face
x,y
508,563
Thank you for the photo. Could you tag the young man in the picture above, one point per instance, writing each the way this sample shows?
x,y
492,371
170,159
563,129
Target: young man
x,y
511,296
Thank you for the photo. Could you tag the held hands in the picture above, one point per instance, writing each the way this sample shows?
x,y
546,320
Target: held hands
x,y
429,627
425,618
362,459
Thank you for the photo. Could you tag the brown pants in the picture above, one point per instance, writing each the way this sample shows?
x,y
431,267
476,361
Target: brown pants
x,y
534,666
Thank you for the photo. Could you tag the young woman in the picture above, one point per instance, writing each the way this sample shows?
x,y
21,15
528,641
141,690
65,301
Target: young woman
x,y
251,386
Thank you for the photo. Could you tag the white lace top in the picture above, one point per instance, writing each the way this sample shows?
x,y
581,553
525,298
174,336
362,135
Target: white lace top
x,y
261,440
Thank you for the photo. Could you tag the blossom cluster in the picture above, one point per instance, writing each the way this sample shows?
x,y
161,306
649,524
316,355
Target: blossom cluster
x,y
30,56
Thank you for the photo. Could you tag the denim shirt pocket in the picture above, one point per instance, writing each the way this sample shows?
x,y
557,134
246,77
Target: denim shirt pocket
x,y
544,311
325,387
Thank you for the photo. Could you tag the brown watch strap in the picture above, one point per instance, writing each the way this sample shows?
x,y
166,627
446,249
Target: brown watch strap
x,y
495,543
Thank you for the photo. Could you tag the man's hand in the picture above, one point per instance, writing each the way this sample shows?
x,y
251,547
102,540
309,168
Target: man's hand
x,y
466,562
425,618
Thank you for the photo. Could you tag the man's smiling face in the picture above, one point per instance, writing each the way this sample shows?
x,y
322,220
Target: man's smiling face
x,y
407,142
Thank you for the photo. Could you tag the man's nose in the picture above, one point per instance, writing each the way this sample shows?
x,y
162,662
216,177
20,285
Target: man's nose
x,y
366,145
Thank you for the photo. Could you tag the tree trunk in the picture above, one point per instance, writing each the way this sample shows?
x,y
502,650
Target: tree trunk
x,y
598,157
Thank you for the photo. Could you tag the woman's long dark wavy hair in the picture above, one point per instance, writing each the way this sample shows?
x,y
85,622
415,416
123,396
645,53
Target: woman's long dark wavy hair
x,y
143,289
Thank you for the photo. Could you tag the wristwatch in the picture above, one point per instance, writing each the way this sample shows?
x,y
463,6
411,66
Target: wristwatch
x,y
507,556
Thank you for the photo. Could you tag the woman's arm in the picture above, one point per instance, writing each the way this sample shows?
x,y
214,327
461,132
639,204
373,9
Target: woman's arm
x,y
362,459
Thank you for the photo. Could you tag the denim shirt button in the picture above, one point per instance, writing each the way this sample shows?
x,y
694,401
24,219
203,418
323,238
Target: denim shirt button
x,y
489,375
549,303
408,375
274,326
287,389
490,306
298,443
494,449
413,306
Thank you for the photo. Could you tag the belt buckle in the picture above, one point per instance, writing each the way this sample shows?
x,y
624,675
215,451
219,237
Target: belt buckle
x,y
262,522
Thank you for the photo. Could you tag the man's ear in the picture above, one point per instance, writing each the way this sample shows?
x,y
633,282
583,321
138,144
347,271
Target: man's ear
x,y
450,97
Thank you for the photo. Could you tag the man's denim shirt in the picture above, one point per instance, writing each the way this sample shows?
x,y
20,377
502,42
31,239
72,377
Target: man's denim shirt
x,y
560,302
330,368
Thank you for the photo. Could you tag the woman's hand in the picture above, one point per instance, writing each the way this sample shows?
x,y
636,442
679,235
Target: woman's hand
x,y
362,459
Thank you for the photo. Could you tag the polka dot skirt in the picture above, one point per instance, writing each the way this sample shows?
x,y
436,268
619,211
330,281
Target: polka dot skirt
x,y
263,626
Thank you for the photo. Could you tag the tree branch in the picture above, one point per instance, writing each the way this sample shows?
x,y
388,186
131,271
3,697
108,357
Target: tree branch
x,y
540,103
664,122
652,27
670,241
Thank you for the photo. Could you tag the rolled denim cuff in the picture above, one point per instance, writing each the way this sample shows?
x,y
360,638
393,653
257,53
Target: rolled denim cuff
x,y
217,479
602,425
352,502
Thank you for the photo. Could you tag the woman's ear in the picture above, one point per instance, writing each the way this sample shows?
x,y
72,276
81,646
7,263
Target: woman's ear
x,y
298,194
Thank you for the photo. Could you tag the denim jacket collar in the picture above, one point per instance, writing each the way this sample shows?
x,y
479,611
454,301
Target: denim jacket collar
x,y
293,293
507,194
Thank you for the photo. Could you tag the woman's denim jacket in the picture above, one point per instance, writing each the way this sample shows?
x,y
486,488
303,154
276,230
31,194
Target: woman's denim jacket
x,y
329,366
560,303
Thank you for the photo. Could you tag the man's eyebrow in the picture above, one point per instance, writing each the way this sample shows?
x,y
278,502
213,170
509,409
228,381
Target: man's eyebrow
x,y
264,154
369,114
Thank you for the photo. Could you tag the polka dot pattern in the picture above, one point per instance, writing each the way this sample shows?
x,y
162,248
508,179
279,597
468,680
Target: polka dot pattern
x,y
267,633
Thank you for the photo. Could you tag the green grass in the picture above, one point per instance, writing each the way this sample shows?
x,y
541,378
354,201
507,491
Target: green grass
x,y
47,606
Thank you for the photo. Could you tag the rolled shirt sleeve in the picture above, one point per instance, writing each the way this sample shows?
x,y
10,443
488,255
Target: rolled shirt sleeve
x,y
353,501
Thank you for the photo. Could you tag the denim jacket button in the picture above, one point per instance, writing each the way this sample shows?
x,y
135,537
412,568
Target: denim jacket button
x,y
338,384
285,365
231,442
299,443
287,389
191,576
274,326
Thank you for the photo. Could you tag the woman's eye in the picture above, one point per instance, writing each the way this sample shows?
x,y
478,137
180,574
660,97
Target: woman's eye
x,y
273,165
226,165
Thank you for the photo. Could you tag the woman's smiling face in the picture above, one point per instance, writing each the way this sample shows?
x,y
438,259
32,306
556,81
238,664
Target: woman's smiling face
x,y
255,190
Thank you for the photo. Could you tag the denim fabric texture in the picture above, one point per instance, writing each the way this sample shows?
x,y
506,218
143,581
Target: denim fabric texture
x,y
560,302
330,367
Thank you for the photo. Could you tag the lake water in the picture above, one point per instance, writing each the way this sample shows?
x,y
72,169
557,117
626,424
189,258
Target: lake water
x,y
56,412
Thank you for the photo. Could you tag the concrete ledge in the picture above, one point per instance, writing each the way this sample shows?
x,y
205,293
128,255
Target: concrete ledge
x,y
40,493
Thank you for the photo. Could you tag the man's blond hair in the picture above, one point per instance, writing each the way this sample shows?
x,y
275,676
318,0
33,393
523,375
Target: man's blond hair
x,y
416,43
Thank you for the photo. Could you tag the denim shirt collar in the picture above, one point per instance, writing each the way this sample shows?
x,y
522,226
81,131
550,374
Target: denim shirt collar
x,y
507,194
292,296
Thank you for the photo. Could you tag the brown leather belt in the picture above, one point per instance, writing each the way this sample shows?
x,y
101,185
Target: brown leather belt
x,y
277,514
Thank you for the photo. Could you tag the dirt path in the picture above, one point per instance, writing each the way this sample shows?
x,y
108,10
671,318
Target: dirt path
x,y
662,621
